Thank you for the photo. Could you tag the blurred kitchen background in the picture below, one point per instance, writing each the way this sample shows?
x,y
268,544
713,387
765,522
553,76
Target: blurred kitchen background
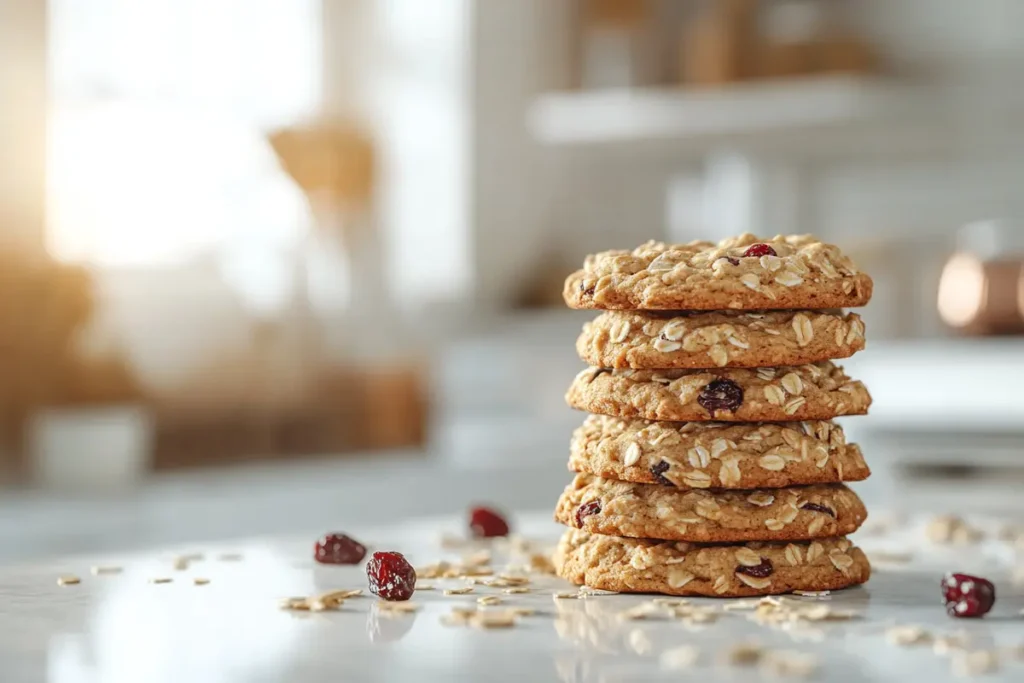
x,y
271,266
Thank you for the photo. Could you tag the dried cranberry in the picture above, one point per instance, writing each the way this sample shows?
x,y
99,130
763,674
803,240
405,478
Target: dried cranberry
x,y
658,470
814,507
338,549
587,291
721,394
585,510
486,523
967,596
759,250
391,576
759,571
733,261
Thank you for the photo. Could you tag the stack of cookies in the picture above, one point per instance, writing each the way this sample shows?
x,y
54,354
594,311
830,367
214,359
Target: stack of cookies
x,y
710,464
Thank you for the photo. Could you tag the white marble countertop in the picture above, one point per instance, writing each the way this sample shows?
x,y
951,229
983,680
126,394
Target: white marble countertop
x,y
122,628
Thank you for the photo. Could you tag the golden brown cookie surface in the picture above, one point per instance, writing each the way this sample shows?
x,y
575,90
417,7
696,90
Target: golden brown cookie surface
x,y
619,508
639,339
816,391
740,273
700,455
633,565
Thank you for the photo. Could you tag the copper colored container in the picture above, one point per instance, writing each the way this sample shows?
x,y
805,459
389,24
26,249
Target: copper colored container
x,y
981,291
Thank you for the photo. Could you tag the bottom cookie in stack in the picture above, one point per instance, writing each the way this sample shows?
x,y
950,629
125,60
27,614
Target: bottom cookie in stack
x,y
709,542
632,565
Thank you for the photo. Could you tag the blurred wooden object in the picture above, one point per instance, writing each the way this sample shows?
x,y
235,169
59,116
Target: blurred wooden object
x,y
718,46
394,411
616,13
44,308
790,39
735,40
349,411
616,48
335,161
787,59
842,52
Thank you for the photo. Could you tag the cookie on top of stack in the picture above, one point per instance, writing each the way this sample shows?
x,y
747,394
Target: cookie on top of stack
x,y
710,464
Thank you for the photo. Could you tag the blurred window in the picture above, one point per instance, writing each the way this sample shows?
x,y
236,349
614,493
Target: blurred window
x,y
157,151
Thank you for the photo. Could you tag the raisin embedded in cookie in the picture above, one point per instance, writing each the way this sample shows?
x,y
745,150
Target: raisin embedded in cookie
x,y
632,565
729,455
816,391
620,508
740,273
638,339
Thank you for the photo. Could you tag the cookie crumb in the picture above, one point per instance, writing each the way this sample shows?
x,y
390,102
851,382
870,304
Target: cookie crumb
x,y
640,642
670,602
293,603
200,581
450,541
947,529
493,620
908,635
948,644
339,596
644,610
68,580
744,654
975,663
789,663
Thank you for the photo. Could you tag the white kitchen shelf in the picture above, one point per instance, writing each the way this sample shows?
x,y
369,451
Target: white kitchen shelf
x,y
801,109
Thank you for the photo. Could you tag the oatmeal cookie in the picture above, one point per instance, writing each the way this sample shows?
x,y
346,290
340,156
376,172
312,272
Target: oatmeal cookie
x,y
730,455
632,565
697,339
620,508
740,273
816,391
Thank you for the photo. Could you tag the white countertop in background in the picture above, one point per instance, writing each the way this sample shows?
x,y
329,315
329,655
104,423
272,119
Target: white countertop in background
x,y
123,629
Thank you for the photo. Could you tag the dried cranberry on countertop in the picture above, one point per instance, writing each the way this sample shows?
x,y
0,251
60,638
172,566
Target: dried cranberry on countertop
x,y
335,548
391,576
487,523
967,596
